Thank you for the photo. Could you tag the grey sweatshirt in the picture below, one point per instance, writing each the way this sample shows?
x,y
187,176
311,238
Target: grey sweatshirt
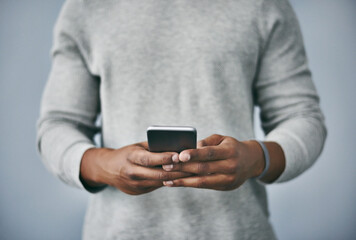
x,y
203,63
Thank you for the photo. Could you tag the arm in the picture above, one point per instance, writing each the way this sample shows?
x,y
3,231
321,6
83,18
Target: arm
x,y
285,93
131,169
70,102
224,163
66,126
290,114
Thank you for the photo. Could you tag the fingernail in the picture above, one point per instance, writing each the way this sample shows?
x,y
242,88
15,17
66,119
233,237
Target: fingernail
x,y
184,157
168,183
175,158
167,167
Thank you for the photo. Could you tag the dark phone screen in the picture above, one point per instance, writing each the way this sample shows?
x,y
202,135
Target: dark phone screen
x,y
171,141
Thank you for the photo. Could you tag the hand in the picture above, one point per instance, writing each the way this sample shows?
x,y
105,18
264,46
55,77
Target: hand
x,y
220,162
132,169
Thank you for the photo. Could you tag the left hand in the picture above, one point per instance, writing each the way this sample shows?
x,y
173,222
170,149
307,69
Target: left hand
x,y
219,162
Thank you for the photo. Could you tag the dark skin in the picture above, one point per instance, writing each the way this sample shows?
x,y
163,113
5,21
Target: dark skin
x,y
131,169
219,163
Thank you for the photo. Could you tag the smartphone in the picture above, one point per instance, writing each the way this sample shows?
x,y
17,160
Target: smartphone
x,y
171,138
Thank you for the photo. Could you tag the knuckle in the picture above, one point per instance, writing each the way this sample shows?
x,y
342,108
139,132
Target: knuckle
x,y
201,183
202,168
130,173
229,184
202,143
237,167
233,168
129,155
219,137
144,160
233,165
136,184
229,138
231,180
162,175
210,153
234,152
230,170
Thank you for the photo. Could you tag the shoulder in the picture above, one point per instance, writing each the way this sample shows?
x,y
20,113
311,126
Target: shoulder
x,y
273,10
276,14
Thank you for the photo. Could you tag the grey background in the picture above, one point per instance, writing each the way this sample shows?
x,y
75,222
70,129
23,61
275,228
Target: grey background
x,y
35,205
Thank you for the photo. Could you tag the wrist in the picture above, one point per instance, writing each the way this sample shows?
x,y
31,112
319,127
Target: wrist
x,y
258,162
91,170
256,157
277,162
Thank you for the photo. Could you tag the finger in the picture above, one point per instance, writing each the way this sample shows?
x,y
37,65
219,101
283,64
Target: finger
x,y
212,140
201,143
146,184
137,187
207,153
144,145
149,159
143,173
203,168
214,181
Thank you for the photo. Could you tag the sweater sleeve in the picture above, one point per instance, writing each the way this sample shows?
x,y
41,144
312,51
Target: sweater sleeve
x,y
284,91
70,102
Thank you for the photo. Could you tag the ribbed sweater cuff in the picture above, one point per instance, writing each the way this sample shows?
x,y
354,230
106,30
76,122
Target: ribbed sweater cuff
x,y
294,151
71,162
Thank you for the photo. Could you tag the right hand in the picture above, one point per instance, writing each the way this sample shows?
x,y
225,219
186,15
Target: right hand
x,y
133,169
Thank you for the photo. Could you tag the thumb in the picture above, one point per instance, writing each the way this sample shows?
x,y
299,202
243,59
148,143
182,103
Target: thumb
x,y
212,140
144,145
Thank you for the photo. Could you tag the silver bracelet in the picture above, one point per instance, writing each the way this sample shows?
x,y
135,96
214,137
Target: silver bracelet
x,y
267,160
